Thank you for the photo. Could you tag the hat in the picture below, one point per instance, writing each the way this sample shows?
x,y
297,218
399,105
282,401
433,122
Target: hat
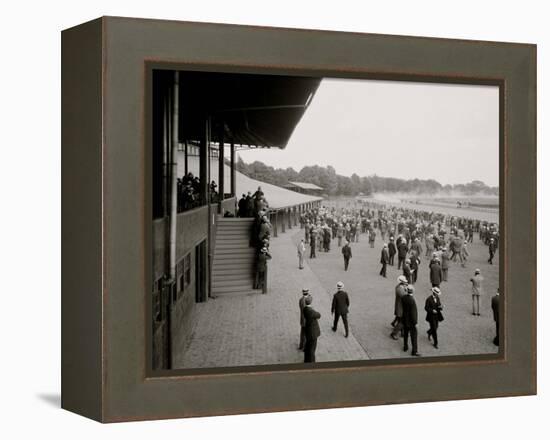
x,y
305,291
309,299
478,271
436,290
402,279
264,250
339,285
410,289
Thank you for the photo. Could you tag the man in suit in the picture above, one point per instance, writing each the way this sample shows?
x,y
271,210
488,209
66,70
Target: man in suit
x,y
402,250
492,249
346,252
407,270
400,292
340,307
435,272
433,309
444,264
495,301
410,319
261,270
301,305
312,330
301,254
392,249
384,260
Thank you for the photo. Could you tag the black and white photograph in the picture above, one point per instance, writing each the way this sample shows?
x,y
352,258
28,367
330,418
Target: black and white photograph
x,y
314,220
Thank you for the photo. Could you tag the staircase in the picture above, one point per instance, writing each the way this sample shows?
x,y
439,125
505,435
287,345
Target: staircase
x,y
233,265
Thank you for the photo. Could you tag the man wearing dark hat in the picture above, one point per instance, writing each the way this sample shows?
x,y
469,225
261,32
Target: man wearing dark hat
x,y
402,250
346,252
340,307
392,250
433,309
301,305
410,319
312,330
384,260
435,272
400,292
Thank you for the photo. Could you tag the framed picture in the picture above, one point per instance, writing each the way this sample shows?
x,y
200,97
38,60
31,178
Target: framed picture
x,y
263,219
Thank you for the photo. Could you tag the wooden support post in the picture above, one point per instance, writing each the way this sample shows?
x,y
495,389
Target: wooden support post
x,y
233,173
203,164
221,171
283,229
289,218
274,223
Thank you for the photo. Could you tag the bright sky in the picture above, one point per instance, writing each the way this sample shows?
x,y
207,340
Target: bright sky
x,y
396,129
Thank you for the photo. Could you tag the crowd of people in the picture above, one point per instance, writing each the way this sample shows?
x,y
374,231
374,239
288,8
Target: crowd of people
x,y
189,190
410,234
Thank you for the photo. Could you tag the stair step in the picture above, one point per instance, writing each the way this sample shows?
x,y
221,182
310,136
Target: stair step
x,y
235,247
243,283
240,293
233,251
231,289
231,276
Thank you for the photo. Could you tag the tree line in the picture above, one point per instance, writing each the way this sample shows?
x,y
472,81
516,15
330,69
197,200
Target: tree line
x,y
338,185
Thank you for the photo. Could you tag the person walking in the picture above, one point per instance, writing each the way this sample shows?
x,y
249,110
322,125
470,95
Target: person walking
x,y
301,254
346,252
402,250
384,260
400,292
477,291
301,305
436,273
492,249
410,319
407,271
444,264
340,307
312,330
495,302
312,240
392,250
434,316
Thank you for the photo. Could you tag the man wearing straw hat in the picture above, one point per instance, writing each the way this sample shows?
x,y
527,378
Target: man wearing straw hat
x,y
340,307
410,319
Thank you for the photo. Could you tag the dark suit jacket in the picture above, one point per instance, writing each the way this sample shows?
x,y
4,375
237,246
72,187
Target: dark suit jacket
x,y
392,248
384,256
410,313
302,304
435,274
262,262
407,272
340,303
346,251
494,305
402,249
399,294
312,325
432,303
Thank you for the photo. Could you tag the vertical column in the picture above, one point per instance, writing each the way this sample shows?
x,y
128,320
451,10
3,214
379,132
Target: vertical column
x,y
283,221
203,164
296,216
274,223
289,218
186,151
233,174
221,170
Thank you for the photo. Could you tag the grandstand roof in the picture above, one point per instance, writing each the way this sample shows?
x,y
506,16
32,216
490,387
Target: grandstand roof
x,y
305,185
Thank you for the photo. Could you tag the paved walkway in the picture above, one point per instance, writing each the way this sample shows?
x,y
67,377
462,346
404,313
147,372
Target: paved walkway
x,y
264,329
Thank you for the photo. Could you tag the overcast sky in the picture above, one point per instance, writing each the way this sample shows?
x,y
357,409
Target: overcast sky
x,y
396,129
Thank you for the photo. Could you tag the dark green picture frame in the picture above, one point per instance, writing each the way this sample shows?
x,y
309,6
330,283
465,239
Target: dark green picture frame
x,y
106,207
